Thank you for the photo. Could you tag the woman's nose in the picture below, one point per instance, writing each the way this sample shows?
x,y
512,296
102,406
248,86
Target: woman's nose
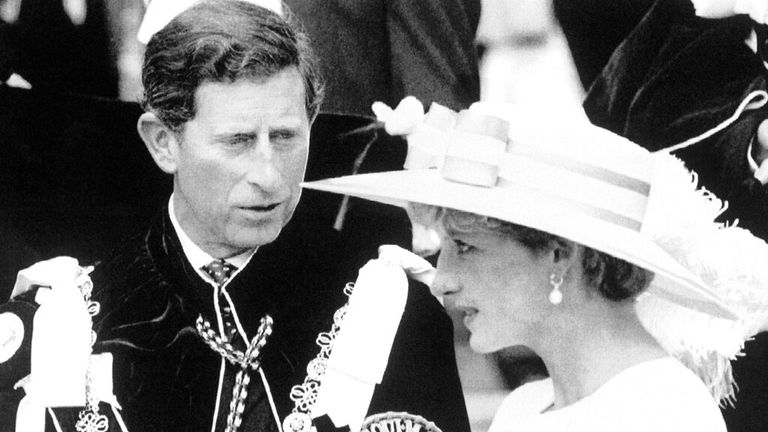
x,y
446,279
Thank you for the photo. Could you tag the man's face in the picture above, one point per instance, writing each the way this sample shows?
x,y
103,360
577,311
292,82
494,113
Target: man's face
x,y
239,162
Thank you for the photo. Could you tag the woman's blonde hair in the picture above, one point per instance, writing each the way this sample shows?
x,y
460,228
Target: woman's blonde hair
x,y
613,278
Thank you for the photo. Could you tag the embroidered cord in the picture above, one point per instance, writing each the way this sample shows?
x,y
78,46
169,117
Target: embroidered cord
x,y
338,223
271,400
304,395
245,360
755,100
217,343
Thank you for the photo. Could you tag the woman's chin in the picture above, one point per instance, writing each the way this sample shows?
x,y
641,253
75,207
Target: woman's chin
x,y
481,345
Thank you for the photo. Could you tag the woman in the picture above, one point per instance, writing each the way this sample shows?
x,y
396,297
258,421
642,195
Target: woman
x,y
599,256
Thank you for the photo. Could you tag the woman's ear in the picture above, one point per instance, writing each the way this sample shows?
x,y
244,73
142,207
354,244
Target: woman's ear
x,y
563,250
162,143
563,255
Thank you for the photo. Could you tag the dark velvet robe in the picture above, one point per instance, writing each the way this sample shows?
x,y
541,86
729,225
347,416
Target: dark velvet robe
x,y
385,50
166,378
673,78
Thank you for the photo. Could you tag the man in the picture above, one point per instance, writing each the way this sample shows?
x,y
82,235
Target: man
x,y
230,94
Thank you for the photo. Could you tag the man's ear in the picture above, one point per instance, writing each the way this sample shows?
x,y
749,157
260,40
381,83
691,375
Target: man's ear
x,y
162,143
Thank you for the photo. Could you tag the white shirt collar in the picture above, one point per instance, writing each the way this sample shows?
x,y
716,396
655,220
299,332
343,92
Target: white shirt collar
x,y
198,257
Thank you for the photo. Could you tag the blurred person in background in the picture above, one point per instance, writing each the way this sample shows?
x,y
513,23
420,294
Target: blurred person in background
x,y
59,45
384,50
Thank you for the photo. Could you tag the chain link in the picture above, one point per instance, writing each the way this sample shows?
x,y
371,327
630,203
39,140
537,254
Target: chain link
x,y
305,394
89,419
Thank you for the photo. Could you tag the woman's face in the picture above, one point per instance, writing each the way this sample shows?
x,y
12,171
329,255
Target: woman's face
x,y
499,285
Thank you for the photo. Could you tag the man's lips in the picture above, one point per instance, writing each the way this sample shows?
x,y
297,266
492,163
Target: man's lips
x,y
260,208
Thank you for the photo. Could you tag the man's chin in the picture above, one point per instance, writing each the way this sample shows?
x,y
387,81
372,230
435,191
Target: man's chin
x,y
253,237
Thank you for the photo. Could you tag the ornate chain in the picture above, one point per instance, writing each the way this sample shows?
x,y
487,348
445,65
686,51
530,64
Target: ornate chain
x,y
304,395
89,419
246,360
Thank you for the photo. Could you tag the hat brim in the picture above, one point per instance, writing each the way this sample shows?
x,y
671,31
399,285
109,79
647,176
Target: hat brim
x,y
524,205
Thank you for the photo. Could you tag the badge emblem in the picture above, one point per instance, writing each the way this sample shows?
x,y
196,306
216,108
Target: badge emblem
x,y
398,422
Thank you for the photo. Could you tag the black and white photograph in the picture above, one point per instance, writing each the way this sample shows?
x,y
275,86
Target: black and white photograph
x,y
383,215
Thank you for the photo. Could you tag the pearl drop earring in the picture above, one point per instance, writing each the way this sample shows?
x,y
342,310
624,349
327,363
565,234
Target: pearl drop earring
x,y
555,296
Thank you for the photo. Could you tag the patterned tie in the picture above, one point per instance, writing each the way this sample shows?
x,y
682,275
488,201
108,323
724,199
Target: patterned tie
x,y
220,271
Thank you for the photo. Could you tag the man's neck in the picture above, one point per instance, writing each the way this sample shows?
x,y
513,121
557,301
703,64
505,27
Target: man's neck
x,y
198,257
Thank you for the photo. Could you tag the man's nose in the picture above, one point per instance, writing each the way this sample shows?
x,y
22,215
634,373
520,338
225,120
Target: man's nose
x,y
262,167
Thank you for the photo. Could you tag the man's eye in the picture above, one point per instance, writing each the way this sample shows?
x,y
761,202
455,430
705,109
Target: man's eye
x,y
282,135
237,141
462,247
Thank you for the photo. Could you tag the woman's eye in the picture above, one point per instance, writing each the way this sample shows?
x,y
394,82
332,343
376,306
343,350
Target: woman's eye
x,y
462,247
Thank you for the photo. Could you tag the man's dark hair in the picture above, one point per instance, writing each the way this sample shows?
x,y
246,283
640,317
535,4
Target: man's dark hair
x,y
222,41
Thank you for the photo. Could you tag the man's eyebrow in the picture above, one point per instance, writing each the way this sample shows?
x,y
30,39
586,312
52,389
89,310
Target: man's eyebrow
x,y
236,136
286,126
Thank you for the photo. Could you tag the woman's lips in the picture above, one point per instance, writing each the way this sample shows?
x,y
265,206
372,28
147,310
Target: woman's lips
x,y
469,316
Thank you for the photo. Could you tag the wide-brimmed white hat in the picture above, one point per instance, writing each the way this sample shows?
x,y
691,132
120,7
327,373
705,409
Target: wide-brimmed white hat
x,y
579,182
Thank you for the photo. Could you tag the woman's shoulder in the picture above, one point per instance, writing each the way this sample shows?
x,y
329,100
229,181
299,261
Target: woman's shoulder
x,y
523,404
660,395
664,379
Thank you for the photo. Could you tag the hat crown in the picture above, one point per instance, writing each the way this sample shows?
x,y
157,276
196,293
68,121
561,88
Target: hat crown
x,y
581,171
474,122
